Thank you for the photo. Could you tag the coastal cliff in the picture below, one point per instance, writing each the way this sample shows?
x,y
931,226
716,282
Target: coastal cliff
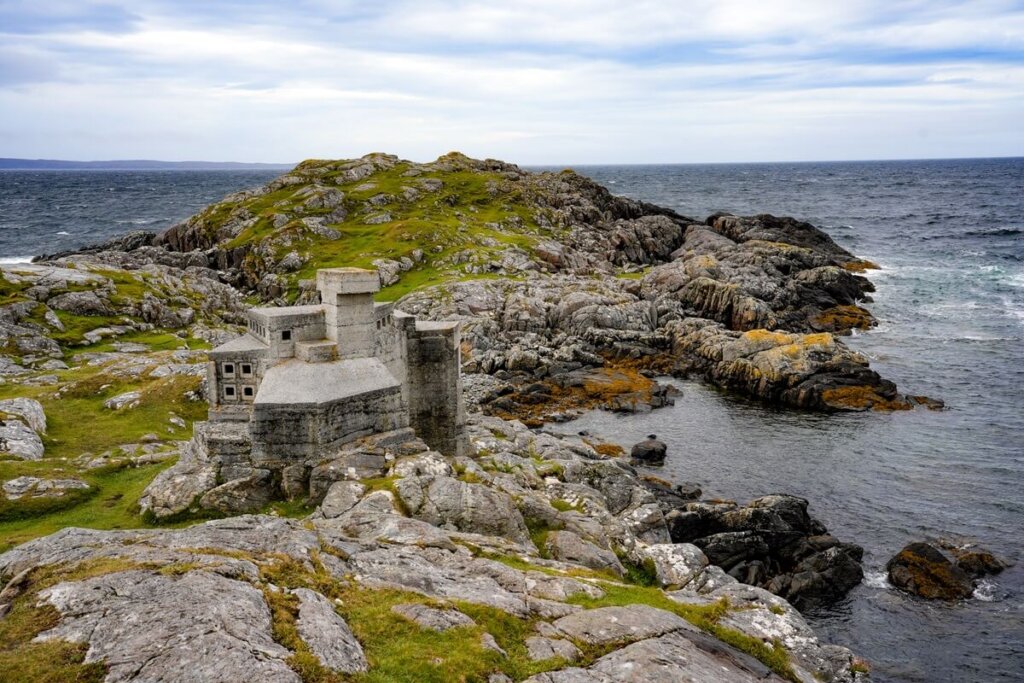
x,y
509,564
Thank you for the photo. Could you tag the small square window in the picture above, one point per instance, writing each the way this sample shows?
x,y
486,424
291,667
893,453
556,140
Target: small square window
x,y
229,391
229,369
286,335
247,391
246,369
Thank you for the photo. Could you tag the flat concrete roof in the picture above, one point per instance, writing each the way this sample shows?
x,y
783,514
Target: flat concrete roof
x,y
432,326
242,344
283,311
295,382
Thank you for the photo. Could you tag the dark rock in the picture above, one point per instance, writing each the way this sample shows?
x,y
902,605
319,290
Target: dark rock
x,y
773,543
696,520
979,562
651,451
922,569
729,548
671,496
821,578
127,242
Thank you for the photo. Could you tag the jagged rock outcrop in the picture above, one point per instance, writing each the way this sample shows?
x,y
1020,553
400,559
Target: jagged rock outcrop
x,y
922,569
543,236
774,543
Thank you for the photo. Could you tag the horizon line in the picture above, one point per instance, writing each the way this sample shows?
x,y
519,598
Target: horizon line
x,y
98,163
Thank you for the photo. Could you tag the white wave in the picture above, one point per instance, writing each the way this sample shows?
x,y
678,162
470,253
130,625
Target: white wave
x,y
877,579
11,260
986,591
63,232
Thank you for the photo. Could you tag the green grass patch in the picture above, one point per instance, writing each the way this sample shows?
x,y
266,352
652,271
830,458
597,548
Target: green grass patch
x,y
113,504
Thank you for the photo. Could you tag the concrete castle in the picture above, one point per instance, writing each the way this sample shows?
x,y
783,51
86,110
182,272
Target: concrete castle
x,y
315,394
308,379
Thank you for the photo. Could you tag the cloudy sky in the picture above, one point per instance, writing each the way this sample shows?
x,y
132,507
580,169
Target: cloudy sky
x,y
530,81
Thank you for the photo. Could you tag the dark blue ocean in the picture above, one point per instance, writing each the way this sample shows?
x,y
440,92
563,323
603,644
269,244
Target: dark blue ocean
x,y
949,236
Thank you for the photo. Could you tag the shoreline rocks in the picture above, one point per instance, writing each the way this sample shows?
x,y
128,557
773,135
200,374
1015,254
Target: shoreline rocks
x,y
650,451
774,543
531,521
922,569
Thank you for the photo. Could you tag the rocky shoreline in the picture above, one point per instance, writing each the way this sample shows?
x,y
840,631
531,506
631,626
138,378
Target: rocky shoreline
x,y
550,553
539,528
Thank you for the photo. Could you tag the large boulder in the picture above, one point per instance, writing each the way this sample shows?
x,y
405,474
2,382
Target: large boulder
x,y
19,440
148,626
650,451
772,542
921,568
28,410
327,635
454,504
569,547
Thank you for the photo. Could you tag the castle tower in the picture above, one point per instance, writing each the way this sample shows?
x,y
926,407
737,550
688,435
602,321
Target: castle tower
x,y
347,298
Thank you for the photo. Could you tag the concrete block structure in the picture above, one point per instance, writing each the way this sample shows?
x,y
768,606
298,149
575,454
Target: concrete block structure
x,y
309,379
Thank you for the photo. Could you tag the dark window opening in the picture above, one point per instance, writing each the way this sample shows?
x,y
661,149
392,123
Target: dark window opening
x,y
229,368
247,391
246,369
229,391
286,335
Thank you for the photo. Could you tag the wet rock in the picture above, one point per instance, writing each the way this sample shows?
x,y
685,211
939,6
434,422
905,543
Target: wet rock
x,y
922,569
979,562
650,451
774,543
727,549
671,496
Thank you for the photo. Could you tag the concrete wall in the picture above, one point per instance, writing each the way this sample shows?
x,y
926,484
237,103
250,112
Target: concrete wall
x,y
347,297
389,341
436,409
233,379
287,434
285,326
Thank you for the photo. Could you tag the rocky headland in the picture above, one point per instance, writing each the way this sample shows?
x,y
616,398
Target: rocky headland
x,y
540,556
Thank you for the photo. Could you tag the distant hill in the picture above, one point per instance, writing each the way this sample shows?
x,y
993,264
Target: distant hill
x,y
132,165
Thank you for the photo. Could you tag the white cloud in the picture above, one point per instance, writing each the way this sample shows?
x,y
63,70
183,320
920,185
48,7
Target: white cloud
x,y
551,82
